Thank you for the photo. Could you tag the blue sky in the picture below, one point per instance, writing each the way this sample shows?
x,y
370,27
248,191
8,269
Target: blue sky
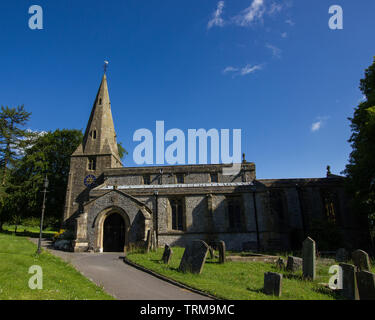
x,y
271,68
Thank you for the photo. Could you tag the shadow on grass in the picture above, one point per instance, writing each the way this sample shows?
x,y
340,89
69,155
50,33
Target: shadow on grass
x,y
336,294
27,234
255,290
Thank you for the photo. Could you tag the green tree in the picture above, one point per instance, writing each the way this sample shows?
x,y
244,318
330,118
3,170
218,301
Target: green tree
x,y
121,150
13,139
49,155
12,136
361,167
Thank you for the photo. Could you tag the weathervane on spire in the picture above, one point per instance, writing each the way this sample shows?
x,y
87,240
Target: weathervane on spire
x,y
105,66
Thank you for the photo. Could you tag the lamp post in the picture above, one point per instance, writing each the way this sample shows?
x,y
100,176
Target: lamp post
x,y
42,217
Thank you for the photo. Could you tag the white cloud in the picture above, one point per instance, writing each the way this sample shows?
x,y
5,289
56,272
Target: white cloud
x,y
317,125
276,52
284,35
216,16
230,69
290,22
275,8
250,69
251,14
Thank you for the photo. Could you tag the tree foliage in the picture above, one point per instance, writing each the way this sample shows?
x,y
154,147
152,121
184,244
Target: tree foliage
x,y
13,137
48,155
361,167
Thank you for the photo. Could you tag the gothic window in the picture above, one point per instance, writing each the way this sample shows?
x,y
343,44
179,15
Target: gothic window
x,y
100,101
329,205
180,178
277,203
146,179
93,134
214,177
177,214
92,163
234,212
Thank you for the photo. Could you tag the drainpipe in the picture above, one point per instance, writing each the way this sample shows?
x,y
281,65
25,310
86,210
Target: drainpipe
x,y
256,221
156,193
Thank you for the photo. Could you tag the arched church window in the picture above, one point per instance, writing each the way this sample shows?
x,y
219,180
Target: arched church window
x,y
92,163
177,206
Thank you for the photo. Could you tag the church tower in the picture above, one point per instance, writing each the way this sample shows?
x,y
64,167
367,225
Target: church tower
x,y
97,152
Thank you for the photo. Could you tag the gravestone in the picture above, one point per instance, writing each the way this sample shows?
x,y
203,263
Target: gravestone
x,y
309,257
349,282
167,254
294,264
154,242
220,245
211,251
148,241
194,257
342,255
280,264
366,285
361,260
273,283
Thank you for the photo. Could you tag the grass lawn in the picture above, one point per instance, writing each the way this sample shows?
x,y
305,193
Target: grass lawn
x,y
239,280
60,280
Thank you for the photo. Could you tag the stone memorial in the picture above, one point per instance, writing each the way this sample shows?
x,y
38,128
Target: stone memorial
x,y
309,259
294,264
366,285
220,245
194,257
167,254
280,264
148,241
273,283
349,282
361,260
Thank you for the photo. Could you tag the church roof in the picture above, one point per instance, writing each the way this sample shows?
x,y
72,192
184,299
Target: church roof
x,y
100,136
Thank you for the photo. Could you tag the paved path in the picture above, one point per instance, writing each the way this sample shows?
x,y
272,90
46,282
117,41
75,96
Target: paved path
x,y
121,280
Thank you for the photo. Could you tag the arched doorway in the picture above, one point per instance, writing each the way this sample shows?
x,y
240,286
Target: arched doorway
x,y
114,233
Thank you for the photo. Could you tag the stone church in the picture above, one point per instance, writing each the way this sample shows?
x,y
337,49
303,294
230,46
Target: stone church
x,y
112,207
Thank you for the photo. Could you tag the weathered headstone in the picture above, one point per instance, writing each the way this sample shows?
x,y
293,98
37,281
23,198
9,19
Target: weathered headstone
x,y
366,285
309,257
154,242
221,247
167,254
342,255
194,257
148,241
293,264
280,264
361,260
349,282
211,251
273,283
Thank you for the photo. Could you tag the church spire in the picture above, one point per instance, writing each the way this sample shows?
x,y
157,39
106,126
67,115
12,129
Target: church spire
x,y
100,136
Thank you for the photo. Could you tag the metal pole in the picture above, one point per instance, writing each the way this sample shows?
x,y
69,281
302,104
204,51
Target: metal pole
x,y
256,220
42,217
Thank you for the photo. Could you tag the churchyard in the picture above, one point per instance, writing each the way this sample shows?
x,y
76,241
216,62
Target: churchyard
x,y
60,280
246,276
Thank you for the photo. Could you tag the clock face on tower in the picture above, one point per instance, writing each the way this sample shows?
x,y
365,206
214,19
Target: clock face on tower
x,y
89,180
